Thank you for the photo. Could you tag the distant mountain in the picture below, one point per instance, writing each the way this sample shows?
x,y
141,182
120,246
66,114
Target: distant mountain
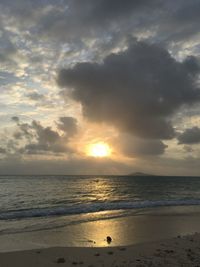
x,y
140,174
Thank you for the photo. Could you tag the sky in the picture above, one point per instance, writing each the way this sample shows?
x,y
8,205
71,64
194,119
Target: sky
x,y
119,77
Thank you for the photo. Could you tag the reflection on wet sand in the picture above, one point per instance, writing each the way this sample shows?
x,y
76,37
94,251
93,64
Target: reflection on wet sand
x,y
146,226
141,228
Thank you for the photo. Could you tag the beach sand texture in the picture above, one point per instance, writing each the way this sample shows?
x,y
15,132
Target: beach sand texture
x,y
178,251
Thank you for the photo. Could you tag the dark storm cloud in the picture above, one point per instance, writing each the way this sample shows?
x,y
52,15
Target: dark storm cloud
x,y
68,20
136,147
75,19
177,20
23,130
137,90
40,139
104,10
45,134
188,11
68,125
190,136
22,11
184,19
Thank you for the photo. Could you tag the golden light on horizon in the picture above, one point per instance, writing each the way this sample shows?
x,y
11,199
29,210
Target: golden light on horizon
x,y
99,150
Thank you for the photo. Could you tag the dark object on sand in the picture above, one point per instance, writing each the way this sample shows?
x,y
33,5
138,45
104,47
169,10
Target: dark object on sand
x,y
60,260
109,239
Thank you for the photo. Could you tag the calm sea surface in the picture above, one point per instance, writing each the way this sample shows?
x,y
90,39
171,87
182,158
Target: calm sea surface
x,y
31,203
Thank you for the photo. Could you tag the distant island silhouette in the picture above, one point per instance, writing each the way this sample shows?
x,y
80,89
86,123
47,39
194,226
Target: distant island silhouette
x,y
140,174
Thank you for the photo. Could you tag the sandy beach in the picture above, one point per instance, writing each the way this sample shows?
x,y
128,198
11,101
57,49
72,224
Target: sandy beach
x,y
154,233
158,237
161,237
178,251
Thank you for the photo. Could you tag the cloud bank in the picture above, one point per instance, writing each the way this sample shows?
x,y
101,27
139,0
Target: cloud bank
x,y
38,139
190,136
137,90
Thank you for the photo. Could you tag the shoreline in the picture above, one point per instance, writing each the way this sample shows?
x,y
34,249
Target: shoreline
x,y
147,226
178,251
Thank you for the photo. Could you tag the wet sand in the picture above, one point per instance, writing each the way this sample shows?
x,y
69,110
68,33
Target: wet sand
x,y
144,226
158,237
179,251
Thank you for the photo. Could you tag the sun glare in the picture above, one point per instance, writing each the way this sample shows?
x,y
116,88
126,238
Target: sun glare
x,y
99,150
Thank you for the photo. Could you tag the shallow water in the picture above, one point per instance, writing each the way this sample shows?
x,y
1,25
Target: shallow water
x,y
32,203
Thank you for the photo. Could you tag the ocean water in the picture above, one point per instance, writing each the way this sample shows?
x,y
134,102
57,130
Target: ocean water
x,y
33,203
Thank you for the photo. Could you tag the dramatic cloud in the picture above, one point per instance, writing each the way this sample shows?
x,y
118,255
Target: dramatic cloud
x,y
101,11
144,92
72,20
40,139
190,136
68,125
136,147
184,20
148,147
137,90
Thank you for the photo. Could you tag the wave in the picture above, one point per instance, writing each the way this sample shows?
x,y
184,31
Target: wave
x,y
93,207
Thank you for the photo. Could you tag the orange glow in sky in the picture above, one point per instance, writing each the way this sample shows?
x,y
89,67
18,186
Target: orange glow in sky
x,y
99,150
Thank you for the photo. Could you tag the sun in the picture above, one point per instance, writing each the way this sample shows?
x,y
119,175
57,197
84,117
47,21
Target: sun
x,y
99,150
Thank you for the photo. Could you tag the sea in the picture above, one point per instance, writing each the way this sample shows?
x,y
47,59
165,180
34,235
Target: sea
x,y
35,203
